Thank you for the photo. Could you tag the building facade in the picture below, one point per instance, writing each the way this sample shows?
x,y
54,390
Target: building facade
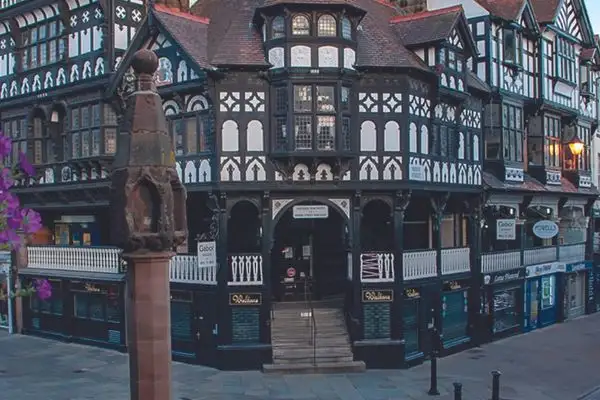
x,y
421,181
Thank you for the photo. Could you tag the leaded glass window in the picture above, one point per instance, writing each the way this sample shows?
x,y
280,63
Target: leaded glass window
x,y
346,28
277,28
327,26
300,26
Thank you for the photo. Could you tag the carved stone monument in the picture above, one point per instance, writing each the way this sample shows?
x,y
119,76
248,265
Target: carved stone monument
x,y
148,213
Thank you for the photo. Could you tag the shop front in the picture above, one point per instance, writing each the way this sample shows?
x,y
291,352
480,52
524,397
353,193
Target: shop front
x,y
6,319
575,284
417,315
455,314
594,284
502,303
540,305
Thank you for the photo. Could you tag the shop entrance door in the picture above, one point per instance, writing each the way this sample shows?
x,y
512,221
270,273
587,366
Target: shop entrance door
x,y
547,303
5,284
532,304
574,291
309,256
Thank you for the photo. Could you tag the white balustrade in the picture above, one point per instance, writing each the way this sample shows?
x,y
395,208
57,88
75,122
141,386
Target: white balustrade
x,y
246,269
500,261
419,264
185,269
539,255
377,267
80,259
456,260
572,252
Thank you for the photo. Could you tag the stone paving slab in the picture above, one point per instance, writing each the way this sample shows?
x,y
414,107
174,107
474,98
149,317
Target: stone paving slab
x,y
557,363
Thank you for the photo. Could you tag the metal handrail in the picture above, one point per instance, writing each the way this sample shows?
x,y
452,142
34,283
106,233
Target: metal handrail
x,y
312,322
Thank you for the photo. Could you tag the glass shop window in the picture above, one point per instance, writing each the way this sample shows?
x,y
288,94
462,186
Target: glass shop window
x,y
505,310
411,321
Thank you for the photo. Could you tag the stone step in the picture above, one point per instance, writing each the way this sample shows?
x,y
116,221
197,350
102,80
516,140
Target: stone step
x,y
309,360
304,352
320,341
325,367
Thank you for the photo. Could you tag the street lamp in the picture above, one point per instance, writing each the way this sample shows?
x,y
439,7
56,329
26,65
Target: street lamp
x,y
576,146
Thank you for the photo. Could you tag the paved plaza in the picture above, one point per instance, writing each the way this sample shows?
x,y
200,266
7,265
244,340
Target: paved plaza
x,y
557,363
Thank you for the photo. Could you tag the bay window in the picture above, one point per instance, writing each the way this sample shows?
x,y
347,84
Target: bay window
x,y
512,132
565,60
451,59
511,45
277,28
42,44
552,141
86,131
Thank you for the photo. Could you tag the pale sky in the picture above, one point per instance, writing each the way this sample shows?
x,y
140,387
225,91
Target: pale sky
x,y
593,7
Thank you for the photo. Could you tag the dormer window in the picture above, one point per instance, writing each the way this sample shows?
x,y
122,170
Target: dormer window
x,y
327,26
511,42
300,26
277,28
449,58
346,28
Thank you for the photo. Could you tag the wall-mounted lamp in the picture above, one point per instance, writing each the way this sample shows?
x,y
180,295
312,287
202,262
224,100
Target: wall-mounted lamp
x,y
576,146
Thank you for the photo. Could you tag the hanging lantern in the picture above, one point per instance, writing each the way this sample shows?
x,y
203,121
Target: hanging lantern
x,y
576,146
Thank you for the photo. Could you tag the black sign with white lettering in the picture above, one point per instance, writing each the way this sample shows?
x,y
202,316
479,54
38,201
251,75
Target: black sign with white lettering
x,y
504,276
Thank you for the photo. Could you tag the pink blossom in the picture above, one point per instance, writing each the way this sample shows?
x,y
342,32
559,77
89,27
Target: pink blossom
x,y
26,165
10,237
6,180
5,145
43,288
31,220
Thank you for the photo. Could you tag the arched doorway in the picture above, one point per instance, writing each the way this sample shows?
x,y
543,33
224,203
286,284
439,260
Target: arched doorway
x,y
310,253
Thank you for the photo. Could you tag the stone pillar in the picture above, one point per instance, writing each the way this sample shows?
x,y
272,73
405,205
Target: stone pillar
x,y
20,261
148,213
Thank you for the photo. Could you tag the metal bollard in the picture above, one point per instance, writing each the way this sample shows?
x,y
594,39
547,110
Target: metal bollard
x,y
457,391
433,390
496,385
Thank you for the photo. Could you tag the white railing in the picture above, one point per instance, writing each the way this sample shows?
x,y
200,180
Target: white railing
x,y
80,259
377,267
246,269
572,252
419,264
185,269
500,261
539,255
456,260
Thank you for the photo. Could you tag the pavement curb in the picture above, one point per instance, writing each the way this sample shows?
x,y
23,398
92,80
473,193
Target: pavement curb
x,y
589,393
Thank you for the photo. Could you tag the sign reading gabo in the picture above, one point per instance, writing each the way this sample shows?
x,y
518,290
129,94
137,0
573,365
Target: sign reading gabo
x,y
545,229
506,229
207,254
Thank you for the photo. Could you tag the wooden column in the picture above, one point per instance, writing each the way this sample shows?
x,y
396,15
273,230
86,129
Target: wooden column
x,y
401,202
223,318
20,261
438,205
356,309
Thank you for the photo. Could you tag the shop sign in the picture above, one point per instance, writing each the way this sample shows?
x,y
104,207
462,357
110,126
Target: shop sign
x,y
506,229
453,285
503,277
416,172
310,212
411,293
545,229
207,254
545,269
579,266
245,299
378,296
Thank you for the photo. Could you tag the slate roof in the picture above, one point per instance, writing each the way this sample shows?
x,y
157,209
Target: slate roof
x,y
508,10
353,3
545,10
530,184
426,27
191,32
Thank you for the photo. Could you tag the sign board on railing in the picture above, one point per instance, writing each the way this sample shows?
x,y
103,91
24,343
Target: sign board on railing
x,y
207,254
506,229
416,172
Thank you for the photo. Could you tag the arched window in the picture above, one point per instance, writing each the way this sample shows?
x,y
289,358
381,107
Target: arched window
x,y
327,26
346,28
277,28
300,26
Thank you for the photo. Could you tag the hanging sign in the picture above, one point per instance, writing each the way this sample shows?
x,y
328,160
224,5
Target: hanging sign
x,y
411,293
207,254
545,229
310,212
378,296
245,299
416,172
545,269
506,229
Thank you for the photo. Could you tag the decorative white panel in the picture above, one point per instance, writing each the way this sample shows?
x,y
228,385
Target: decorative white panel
x,y
412,137
392,168
254,136
300,56
368,136
255,169
324,172
391,102
277,205
513,174
368,102
328,56
349,58
475,148
196,103
301,173
424,139
343,204
254,101
229,101
391,136
277,57
230,136
230,169
369,170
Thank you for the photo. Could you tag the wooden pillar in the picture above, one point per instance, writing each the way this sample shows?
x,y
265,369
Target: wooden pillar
x,y
438,204
475,211
224,320
401,202
355,293
20,261
266,245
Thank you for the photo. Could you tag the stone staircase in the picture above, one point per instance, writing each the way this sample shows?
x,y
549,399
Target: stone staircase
x,y
290,338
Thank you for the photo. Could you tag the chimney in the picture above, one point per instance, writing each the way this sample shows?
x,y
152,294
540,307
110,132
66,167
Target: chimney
x,y
405,7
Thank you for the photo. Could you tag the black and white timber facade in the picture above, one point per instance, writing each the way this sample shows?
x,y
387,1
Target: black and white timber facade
x,y
341,148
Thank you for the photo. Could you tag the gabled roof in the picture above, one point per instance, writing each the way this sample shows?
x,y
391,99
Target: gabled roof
x,y
509,10
433,26
547,12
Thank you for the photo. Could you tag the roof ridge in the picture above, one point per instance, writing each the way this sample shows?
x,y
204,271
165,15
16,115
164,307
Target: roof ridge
x,y
181,14
426,14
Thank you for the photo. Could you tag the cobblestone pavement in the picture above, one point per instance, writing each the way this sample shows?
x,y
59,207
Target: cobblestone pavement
x,y
557,363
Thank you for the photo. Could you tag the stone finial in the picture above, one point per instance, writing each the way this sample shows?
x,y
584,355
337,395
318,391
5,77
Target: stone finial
x,y
148,201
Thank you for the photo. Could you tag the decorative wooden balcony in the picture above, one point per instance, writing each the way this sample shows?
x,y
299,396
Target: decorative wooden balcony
x,y
419,264
77,259
572,252
9,3
185,269
540,255
456,260
246,269
500,261
377,267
